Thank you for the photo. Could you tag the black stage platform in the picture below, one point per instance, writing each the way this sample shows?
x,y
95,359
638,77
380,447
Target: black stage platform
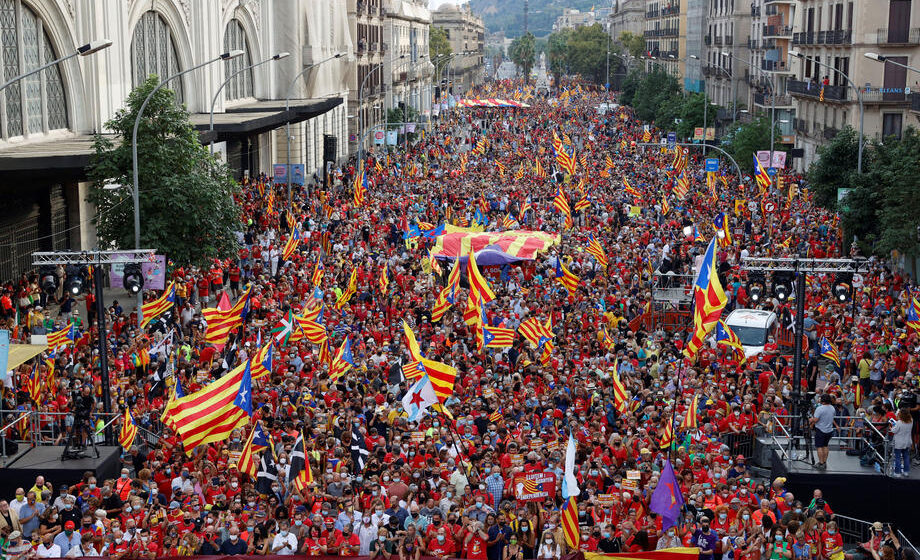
x,y
854,490
46,461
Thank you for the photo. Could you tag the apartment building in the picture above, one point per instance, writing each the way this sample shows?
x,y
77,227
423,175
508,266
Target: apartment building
x,y
728,31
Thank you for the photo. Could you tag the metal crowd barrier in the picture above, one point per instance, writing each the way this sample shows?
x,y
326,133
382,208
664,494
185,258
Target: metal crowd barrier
x,y
852,432
854,530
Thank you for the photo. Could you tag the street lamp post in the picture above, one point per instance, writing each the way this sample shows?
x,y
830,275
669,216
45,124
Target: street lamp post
x,y
84,50
862,113
136,193
287,109
278,56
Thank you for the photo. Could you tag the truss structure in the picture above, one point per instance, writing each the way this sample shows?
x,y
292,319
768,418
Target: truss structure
x,y
95,258
806,265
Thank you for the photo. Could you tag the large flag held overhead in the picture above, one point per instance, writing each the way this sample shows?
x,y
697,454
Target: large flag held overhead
x,y
291,245
763,178
342,362
497,337
708,301
667,499
535,332
418,398
267,475
360,186
247,463
727,337
913,311
565,277
160,305
64,336
829,351
221,322
212,413
596,251
478,283
691,419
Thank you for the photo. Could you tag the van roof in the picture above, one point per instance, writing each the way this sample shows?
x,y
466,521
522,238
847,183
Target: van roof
x,y
751,318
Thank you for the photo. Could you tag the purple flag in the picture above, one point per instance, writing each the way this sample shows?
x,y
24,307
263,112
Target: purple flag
x,y
667,499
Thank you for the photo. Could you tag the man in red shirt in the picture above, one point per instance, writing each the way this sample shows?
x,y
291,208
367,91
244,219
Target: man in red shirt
x,y
440,546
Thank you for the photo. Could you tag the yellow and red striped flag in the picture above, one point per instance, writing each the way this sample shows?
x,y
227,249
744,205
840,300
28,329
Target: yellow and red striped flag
x,y
709,300
667,435
212,413
160,305
384,281
569,519
291,245
478,283
221,322
128,431
63,337
691,420
620,399
247,461
350,290
342,362
441,305
596,251
566,277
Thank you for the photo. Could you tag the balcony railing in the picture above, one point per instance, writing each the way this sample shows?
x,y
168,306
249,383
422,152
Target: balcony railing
x,y
830,133
886,36
717,41
774,66
669,32
765,100
670,10
708,40
755,11
834,37
813,90
884,96
803,38
915,102
777,31
753,44
729,40
801,125
651,14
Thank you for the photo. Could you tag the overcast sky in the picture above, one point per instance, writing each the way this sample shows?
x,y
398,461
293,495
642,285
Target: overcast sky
x,y
432,4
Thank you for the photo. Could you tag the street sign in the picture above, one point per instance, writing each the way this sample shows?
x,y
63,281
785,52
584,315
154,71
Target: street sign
x,y
769,206
712,164
771,171
672,140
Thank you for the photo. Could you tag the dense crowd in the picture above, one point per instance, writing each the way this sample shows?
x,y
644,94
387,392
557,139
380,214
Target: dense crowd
x,y
445,486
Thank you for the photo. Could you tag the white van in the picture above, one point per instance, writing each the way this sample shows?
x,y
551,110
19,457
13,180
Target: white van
x,y
754,327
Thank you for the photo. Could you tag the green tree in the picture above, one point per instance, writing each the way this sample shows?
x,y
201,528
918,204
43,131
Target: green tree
x,y
397,116
834,167
438,48
187,205
557,52
522,54
587,52
692,110
630,87
633,43
749,138
894,166
654,90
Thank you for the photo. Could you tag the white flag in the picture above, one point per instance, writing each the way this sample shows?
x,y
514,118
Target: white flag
x,y
419,397
569,482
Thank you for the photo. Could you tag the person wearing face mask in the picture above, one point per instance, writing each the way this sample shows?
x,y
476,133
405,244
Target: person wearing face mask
x,y
549,548
234,544
284,543
379,547
668,539
440,546
705,539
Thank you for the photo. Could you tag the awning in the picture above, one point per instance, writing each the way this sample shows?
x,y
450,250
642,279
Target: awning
x,y
258,117
59,158
22,353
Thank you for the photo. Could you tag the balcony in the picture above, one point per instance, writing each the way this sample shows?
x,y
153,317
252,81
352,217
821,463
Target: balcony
x,y
651,14
753,44
895,37
834,37
830,133
801,126
813,90
708,40
803,38
781,101
729,40
915,102
755,11
669,32
779,31
881,96
717,41
774,66
670,10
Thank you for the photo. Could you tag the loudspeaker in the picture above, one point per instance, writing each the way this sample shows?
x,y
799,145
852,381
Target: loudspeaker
x,y
330,147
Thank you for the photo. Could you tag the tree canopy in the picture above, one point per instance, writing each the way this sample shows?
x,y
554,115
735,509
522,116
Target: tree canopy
x,y
522,52
438,48
187,205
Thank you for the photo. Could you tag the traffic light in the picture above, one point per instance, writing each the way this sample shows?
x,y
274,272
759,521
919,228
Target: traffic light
x,y
780,182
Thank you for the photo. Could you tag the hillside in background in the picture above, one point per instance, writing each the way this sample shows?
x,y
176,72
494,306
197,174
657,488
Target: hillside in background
x,y
508,15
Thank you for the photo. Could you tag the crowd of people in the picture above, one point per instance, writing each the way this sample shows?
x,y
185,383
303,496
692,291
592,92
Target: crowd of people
x,y
446,485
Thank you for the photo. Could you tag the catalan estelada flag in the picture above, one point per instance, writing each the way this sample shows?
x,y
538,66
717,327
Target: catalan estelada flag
x,y
221,322
708,301
620,399
829,351
360,186
342,362
725,336
538,170
291,245
384,280
596,251
913,311
565,277
212,413
683,186
478,283
631,189
441,305
569,522
128,431
65,336
262,360
535,332
496,337
721,224
667,435
247,462
763,178
160,305
318,273
350,290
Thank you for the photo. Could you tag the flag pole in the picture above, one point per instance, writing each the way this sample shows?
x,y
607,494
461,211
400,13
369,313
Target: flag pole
x,y
450,424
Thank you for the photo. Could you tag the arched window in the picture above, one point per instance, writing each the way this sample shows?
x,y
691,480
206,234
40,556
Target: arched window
x,y
36,104
153,51
241,85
